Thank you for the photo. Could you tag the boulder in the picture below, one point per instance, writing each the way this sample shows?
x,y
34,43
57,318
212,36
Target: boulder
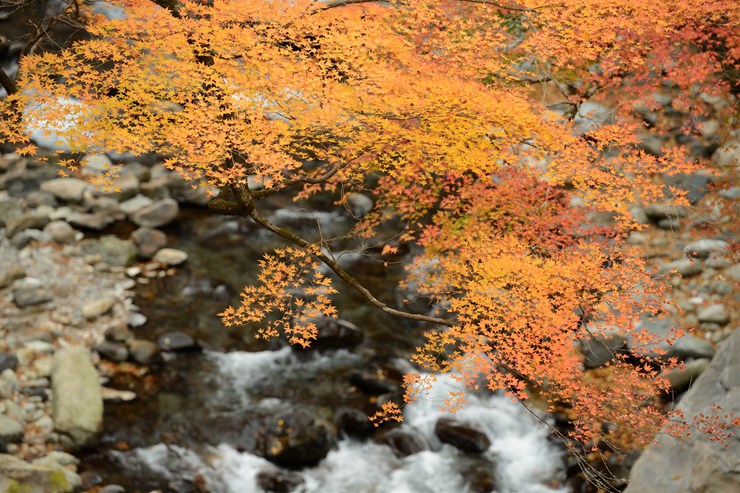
x,y
125,187
135,204
460,435
714,314
698,464
403,443
295,440
30,291
704,248
353,422
599,349
60,232
77,403
157,214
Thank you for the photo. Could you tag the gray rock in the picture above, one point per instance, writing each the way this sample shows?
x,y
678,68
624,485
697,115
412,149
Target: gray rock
x,y
698,464
39,198
18,475
98,307
682,379
135,204
32,220
135,319
157,188
714,314
669,224
9,209
10,430
124,187
107,206
402,443
30,291
728,155
177,341
13,273
114,351
66,189
118,333
60,232
732,193
599,350
733,272
684,267
112,488
27,236
690,346
148,241
695,185
704,248
359,205
96,164
170,256
97,221
140,171
77,403
158,214
58,457
142,351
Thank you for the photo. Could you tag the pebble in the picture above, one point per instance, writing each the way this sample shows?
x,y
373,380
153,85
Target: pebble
x,y
30,291
98,307
170,256
10,430
61,232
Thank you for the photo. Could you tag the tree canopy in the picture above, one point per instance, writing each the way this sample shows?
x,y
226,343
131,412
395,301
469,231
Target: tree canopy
x,y
439,110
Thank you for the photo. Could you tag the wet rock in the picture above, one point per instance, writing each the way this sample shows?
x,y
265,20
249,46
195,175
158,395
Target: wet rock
x,y
97,221
9,210
295,440
30,291
704,248
170,256
374,383
143,352
353,422
77,404
135,204
66,189
91,479
697,463
158,214
278,481
114,351
714,314
18,475
336,334
113,488
98,307
177,341
61,232
32,220
148,241
403,443
10,430
462,436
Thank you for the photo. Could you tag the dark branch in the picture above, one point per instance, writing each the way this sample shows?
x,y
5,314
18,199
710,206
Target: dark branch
x,y
7,83
246,201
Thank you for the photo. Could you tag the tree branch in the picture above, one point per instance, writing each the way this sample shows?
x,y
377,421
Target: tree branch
x,y
7,83
245,200
343,3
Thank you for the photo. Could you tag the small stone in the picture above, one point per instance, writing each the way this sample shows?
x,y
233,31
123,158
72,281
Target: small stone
x,y
136,319
96,164
170,256
7,362
112,488
117,395
733,272
99,307
118,333
142,351
684,267
30,291
177,341
732,193
714,314
13,273
61,232
114,351
125,187
66,189
10,430
158,214
703,248
148,241
116,252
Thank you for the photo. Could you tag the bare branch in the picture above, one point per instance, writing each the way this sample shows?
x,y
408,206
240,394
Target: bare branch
x,y
7,83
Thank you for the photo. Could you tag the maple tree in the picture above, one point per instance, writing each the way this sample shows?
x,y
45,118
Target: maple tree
x,y
436,109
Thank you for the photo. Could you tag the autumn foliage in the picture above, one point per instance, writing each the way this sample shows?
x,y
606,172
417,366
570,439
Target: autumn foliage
x,y
435,108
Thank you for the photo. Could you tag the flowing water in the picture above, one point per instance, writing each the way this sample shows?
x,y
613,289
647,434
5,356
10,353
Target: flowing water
x,y
193,427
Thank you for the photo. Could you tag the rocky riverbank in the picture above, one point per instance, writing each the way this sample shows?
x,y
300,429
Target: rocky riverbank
x,y
72,256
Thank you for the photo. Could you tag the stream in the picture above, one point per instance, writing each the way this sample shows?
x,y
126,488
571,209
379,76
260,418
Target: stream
x,y
197,421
